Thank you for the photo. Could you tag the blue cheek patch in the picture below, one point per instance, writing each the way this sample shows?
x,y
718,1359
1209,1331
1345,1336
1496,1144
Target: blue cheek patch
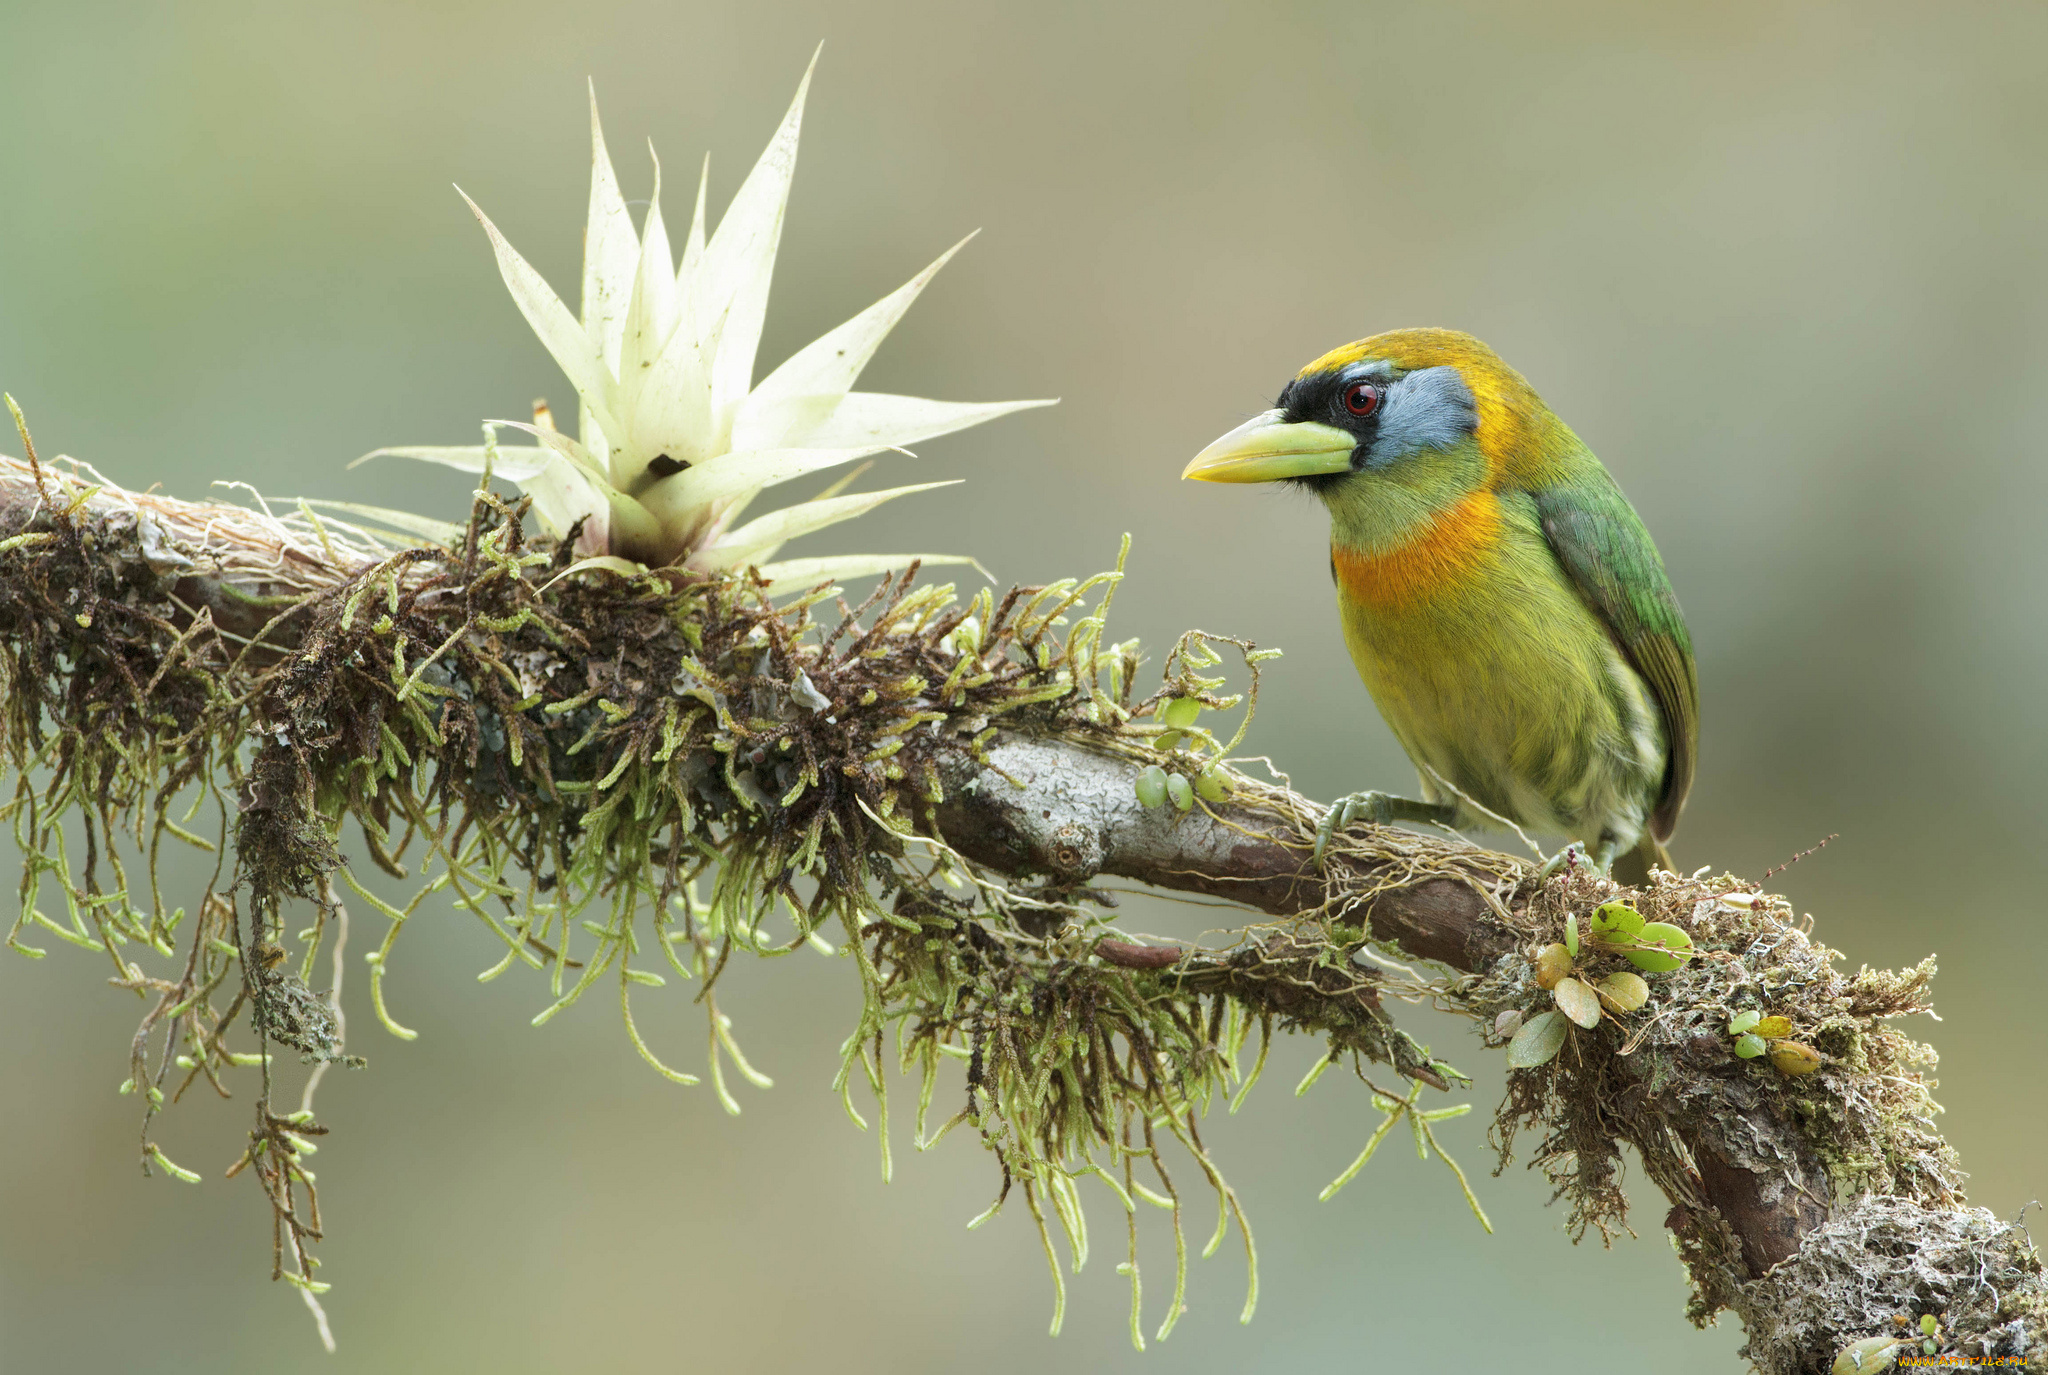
x,y
1428,409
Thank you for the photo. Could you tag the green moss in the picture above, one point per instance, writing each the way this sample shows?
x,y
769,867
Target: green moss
x,y
1865,1117
628,783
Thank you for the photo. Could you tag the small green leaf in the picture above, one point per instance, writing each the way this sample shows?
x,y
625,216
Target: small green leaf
x,y
1504,1026
1773,1028
1749,1046
1210,785
1151,785
1180,790
1867,1356
1553,962
1615,922
1930,1346
1671,948
1166,740
1538,1042
1571,933
1743,1021
1578,1002
1181,712
1794,1058
1928,1325
1623,991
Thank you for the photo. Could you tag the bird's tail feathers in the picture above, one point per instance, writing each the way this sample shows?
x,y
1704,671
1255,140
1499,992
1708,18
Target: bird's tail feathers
x,y
1634,867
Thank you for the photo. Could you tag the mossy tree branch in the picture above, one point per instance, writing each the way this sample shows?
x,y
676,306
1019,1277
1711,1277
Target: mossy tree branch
x,y
306,675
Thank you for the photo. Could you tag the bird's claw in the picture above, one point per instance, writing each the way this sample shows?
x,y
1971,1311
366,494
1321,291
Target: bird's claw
x,y
1371,805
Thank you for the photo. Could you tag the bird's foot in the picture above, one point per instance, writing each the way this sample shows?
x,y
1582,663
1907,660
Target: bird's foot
x,y
1376,807
1382,809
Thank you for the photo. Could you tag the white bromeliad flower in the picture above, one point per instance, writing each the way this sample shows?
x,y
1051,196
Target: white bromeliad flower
x,y
674,439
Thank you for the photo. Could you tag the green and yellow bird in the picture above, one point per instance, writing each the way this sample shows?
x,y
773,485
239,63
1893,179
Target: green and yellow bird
x,y
1501,598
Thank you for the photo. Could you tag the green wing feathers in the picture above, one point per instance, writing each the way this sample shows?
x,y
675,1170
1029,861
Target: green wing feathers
x,y
1603,546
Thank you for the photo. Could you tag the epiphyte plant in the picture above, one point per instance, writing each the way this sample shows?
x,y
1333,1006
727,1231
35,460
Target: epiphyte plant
x,y
674,440
1653,947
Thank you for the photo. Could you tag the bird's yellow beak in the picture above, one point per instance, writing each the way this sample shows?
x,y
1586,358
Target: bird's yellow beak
x,y
1267,448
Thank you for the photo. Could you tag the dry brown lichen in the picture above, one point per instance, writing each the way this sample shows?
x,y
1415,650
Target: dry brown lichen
x,y
1886,1261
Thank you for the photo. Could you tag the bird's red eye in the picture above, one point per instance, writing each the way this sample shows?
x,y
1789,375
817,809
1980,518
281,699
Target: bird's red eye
x,y
1361,398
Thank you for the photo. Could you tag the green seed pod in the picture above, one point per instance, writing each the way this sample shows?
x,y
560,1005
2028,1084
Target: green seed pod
x,y
1181,711
1553,962
1749,1046
1210,786
1151,786
1179,789
1795,1058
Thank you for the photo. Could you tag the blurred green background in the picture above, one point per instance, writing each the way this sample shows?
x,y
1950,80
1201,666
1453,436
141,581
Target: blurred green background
x,y
1781,265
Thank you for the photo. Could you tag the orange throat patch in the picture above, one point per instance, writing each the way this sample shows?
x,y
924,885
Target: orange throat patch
x,y
1447,551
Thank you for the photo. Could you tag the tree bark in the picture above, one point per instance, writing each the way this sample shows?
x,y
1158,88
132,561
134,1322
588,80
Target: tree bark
x,y
1076,817
1759,1219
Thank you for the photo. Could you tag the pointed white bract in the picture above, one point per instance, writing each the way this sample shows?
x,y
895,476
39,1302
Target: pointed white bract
x,y
674,440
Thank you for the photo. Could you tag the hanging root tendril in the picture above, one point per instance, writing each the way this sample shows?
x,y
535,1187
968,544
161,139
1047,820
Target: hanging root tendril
x,y
632,779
